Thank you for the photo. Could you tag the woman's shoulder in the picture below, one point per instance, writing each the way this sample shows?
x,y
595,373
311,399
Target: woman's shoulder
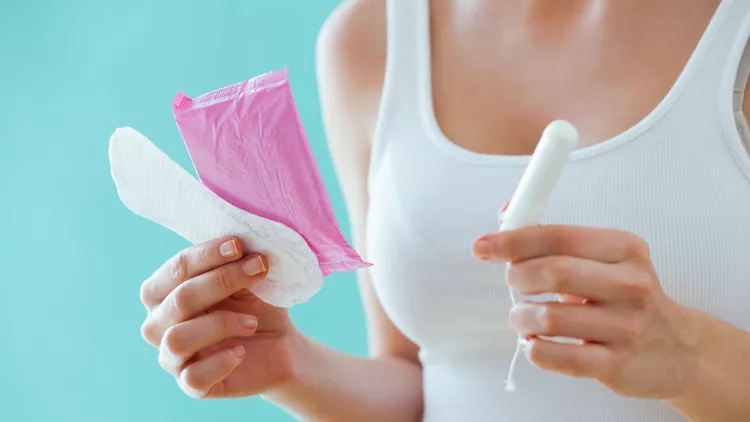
x,y
351,47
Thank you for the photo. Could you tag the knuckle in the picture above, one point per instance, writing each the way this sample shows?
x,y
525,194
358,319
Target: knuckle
x,y
150,332
620,361
560,273
145,292
576,364
617,363
514,276
501,246
224,280
562,240
165,362
181,302
191,384
641,288
228,360
637,247
546,319
204,252
536,356
173,341
179,266
226,322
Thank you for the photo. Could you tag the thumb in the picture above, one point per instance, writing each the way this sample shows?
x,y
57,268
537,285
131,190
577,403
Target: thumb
x,y
246,293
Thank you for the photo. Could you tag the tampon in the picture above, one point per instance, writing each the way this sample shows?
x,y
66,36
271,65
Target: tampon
x,y
534,190
552,153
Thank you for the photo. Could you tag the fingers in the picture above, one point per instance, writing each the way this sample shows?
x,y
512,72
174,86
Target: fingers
x,y
182,341
194,296
598,244
597,281
203,378
585,322
589,360
187,264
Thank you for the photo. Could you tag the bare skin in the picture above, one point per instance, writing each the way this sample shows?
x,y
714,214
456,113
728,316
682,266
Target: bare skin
x,y
616,59
613,63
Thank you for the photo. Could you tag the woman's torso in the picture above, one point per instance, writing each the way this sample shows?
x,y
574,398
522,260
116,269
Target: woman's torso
x,y
661,158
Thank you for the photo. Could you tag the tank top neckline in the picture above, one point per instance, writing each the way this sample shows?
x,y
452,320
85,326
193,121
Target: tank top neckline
x,y
445,145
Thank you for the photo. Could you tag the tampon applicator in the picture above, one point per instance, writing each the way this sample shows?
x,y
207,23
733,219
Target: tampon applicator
x,y
551,155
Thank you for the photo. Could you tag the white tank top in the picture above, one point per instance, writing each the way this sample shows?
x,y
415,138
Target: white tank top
x,y
680,178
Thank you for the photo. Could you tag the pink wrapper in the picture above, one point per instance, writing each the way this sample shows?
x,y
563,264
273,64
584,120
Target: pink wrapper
x,y
248,146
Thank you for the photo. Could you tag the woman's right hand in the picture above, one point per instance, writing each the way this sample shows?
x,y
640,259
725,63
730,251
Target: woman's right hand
x,y
213,335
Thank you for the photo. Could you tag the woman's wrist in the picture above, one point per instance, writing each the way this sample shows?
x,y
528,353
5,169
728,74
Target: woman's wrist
x,y
718,372
327,385
695,349
300,352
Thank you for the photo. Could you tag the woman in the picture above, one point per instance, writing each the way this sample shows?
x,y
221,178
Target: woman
x,y
432,109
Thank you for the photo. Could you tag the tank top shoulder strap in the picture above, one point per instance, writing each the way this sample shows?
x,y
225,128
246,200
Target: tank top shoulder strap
x,y
733,83
407,53
713,68
733,62
713,83
407,60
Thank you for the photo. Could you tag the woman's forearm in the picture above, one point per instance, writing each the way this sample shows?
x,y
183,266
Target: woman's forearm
x,y
329,386
719,391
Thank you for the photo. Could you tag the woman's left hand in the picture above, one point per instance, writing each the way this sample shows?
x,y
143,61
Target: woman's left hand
x,y
636,340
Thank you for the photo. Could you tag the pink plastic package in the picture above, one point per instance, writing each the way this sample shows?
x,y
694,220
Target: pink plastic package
x,y
248,146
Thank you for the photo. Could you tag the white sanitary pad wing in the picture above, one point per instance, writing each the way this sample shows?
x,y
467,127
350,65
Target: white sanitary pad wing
x,y
153,186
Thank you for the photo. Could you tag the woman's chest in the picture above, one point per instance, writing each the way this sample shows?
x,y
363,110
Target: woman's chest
x,y
424,217
499,68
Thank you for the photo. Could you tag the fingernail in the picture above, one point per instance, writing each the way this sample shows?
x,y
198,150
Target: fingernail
x,y
229,249
519,314
514,318
238,351
249,322
254,266
482,249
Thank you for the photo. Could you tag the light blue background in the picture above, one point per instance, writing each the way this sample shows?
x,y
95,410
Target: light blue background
x,y
72,256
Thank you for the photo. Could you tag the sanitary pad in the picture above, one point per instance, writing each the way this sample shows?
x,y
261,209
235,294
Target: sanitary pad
x,y
257,180
153,186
